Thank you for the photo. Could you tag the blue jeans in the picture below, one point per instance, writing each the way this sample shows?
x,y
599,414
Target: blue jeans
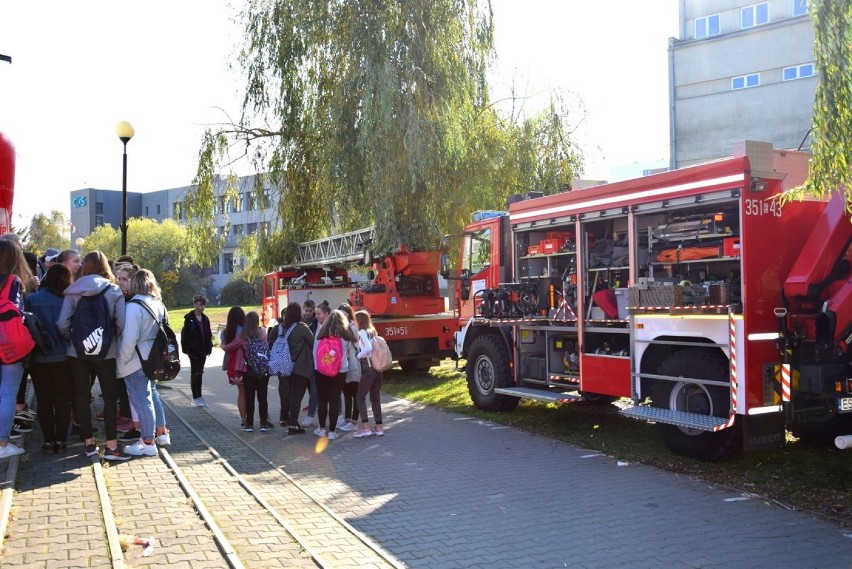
x,y
313,395
146,400
10,380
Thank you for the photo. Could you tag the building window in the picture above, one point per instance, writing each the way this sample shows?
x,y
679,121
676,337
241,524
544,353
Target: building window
x,y
754,15
800,7
238,229
745,81
178,210
251,228
214,265
158,209
220,205
146,211
228,259
707,26
99,207
264,228
99,220
798,72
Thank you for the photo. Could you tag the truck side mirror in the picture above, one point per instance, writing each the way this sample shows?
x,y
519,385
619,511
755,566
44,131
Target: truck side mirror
x,y
445,265
464,286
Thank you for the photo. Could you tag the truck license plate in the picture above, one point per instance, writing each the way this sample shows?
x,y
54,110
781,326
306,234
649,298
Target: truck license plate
x,y
845,404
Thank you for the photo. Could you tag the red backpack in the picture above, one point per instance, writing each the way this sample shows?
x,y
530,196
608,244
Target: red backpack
x,y
16,342
330,355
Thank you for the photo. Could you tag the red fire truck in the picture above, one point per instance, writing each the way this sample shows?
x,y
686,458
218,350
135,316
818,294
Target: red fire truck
x,y
400,291
722,314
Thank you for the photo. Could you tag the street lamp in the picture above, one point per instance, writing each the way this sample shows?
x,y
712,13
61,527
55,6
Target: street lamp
x,y
124,130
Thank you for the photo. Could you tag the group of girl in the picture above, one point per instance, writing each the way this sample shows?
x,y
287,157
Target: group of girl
x,y
352,332
62,377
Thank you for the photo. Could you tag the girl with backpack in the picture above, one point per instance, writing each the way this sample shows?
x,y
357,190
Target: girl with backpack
x,y
256,378
234,363
92,318
135,344
12,266
331,366
300,342
51,372
371,378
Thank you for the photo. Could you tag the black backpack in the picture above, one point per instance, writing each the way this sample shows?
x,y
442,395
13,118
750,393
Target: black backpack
x,y
163,362
92,327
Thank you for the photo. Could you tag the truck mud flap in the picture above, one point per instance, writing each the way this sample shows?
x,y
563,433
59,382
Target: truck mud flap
x,y
677,418
540,394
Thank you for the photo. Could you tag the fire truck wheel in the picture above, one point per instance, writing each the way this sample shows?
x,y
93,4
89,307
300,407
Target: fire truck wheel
x,y
487,369
696,398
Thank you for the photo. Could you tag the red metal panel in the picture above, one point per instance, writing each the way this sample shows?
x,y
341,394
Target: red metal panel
x,y
772,238
606,375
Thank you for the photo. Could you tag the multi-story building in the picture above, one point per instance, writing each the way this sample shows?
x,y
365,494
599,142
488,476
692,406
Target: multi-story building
x,y
91,208
740,71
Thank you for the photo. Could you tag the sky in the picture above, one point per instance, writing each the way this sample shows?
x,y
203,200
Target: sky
x,y
79,68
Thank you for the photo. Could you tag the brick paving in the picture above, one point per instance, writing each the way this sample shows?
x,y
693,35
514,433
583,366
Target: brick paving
x,y
438,491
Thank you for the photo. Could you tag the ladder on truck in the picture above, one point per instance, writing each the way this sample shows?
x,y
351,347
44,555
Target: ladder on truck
x,y
339,249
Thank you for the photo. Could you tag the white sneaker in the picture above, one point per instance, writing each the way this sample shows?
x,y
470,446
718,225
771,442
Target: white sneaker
x,y
320,432
199,402
10,450
141,449
349,426
163,440
340,423
308,421
332,435
363,433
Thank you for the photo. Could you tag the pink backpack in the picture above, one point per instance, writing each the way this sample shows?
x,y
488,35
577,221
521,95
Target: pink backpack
x,y
330,355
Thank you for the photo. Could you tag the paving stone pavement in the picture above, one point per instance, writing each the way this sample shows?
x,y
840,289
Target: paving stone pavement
x,y
444,491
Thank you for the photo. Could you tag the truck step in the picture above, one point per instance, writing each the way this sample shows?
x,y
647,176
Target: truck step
x,y
540,394
677,418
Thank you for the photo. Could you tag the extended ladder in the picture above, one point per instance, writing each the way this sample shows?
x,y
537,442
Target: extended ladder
x,y
339,249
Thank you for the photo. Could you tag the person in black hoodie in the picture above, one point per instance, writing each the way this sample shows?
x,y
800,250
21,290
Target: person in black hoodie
x,y
196,340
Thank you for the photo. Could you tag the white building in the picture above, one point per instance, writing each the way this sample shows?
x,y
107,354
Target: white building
x,y
740,71
91,208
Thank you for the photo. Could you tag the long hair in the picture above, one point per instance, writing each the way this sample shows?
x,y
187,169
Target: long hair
x,y
143,281
236,318
12,262
251,326
365,323
96,263
57,279
346,309
293,313
337,325
65,255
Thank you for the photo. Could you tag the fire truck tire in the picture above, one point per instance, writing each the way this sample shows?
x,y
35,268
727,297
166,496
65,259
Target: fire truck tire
x,y
488,368
696,398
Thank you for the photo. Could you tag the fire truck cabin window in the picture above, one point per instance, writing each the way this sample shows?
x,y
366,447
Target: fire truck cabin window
x,y
477,250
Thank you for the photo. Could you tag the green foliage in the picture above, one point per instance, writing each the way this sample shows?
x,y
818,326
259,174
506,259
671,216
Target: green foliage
x,y
238,292
160,248
45,231
831,166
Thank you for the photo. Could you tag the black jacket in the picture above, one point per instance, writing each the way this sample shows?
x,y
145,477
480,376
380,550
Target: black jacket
x,y
196,340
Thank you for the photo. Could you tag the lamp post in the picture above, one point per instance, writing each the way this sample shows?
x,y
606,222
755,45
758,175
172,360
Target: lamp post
x,y
125,132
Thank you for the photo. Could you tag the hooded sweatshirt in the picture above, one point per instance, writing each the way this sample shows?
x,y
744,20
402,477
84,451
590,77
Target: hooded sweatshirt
x,y
140,330
91,285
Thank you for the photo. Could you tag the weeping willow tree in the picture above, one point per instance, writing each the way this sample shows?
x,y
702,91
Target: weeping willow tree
x,y
831,165
361,113
374,113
